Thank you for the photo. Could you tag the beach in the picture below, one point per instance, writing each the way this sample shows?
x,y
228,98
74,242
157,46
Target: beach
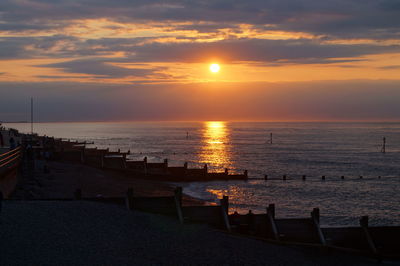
x,y
89,233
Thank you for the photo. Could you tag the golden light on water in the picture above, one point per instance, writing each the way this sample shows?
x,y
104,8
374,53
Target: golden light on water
x,y
215,145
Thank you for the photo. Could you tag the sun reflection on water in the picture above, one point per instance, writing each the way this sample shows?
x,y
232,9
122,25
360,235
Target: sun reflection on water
x,y
215,145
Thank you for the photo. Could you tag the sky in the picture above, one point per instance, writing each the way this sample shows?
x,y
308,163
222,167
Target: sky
x,y
120,60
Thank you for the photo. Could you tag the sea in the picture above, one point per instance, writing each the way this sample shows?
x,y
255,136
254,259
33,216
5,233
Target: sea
x,y
314,149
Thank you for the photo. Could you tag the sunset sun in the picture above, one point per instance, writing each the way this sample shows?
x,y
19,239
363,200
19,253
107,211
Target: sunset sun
x,y
214,68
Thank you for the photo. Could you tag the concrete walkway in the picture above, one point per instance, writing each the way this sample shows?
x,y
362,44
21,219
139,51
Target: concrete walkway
x,y
89,233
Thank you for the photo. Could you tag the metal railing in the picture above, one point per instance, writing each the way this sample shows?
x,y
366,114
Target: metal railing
x,y
10,159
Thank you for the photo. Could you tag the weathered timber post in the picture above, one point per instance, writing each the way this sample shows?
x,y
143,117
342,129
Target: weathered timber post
x,y
226,171
124,161
364,226
323,177
145,165
284,177
225,211
271,210
178,203
315,219
205,169
303,178
315,214
185,165
271,221
342,177
246,174
383,150
129,199
265,177
78,194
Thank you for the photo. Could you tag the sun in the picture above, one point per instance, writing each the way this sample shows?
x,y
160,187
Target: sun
x,y
214,68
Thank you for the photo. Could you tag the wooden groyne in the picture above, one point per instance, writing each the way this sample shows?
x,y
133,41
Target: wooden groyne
x,y
116,160
378,242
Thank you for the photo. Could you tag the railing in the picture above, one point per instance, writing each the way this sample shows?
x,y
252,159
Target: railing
x,y
10,159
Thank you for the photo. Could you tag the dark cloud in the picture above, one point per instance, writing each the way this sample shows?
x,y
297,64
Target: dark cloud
x,y
390,67
271,51
102,68
348,19
330,17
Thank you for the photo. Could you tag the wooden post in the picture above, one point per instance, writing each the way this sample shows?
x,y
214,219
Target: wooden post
x,y
271,210
364,226
145,165
78,194
246,174
224,212
178,203
124,161
284,177
315,219
323,177
303,178
271,221
383,150
226,171
185,165
361,176
342,177
205,169
265,177
315,214
129,199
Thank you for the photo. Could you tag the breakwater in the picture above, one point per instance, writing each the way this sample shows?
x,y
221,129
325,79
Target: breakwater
x,y
116,160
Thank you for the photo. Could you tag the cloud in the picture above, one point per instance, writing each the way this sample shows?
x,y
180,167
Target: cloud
x,y
331,17
390,67
272,51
